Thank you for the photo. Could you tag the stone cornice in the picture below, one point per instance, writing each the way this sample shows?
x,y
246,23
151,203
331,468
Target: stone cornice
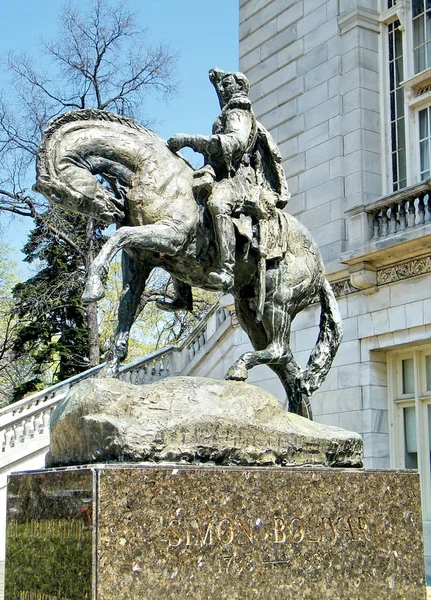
x,y
387,275
359,17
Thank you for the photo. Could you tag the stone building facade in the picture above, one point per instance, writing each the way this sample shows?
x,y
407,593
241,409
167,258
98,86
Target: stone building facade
x,y
344,86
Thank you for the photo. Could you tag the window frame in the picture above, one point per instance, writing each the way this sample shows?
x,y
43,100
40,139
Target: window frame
x,y
420,399
417,94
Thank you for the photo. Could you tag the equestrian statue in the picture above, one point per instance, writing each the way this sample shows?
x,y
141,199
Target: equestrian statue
x,y
221,227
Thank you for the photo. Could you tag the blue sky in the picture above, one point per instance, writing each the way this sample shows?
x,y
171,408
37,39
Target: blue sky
x,y
205,33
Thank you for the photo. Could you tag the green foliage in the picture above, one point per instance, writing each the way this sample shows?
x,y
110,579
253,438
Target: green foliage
x,y
154,328
13,371
53,326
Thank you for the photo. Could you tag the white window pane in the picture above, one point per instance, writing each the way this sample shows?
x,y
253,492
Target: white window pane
x,y
408,379
418,7
410,441
428,26
428,54
428,372
419,56
423,124
424,152
418,32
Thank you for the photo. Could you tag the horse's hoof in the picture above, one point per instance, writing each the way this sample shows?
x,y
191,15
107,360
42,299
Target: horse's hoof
x,y
237,372
93,291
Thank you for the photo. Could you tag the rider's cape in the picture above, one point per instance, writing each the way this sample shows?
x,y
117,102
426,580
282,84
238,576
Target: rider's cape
x,y
266,160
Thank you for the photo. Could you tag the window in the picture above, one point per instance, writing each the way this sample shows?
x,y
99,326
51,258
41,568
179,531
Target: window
x,y
424,142
410,415
397,113
421,13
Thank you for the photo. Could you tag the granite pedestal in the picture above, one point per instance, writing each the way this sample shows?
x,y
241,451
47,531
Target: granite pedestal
x,y
135,532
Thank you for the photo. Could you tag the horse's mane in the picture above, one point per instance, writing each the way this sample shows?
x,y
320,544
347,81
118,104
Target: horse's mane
x,y
87,114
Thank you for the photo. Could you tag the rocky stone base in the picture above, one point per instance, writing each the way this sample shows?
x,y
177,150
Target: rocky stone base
x,y
166,532
193,420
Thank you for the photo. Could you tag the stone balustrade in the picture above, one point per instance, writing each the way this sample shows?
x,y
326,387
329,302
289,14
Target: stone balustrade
x,y
27,421
397,215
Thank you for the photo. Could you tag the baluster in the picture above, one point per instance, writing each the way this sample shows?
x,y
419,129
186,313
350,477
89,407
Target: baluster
x,y
46,417
12,440
376,226
421,210
411,219
196,346
427,208
38,423
153,370
392,219
3,440
402,216
9,438
19,432
25,431
161,367
202,339
141,376
384,223
31,429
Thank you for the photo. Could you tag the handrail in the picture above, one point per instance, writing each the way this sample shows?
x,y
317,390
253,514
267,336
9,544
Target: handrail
x,y
397,216
393,198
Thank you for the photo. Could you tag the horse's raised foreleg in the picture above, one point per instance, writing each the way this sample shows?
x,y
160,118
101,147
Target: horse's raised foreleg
x,y
135,276
166,239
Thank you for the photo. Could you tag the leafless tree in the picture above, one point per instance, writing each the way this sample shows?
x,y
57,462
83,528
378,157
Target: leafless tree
x,y
99,59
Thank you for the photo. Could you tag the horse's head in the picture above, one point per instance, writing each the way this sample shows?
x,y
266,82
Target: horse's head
x,y
96,201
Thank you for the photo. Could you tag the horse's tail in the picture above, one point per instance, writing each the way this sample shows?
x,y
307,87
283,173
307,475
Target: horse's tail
x,y
328,341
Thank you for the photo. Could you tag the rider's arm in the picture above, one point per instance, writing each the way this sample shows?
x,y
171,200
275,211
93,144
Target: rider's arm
x,y
198,143
234,140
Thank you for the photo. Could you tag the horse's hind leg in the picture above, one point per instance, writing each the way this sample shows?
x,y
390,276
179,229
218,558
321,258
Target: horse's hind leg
x,y
289,374
135,276
270,340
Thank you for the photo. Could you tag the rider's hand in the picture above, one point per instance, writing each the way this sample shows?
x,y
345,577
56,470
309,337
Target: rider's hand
x,y
176,142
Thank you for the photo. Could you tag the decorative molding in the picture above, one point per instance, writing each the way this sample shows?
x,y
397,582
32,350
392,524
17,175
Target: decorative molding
x,y
359,17
384,276
404,270
344,287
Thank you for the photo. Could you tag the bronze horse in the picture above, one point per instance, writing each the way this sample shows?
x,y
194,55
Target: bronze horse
x,y
158,225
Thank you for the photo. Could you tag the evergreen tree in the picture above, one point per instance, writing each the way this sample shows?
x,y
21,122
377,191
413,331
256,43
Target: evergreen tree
x,y
53,327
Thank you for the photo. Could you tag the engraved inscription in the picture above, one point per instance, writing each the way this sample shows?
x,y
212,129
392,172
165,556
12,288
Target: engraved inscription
x,y
278,530
51,528
198,533
20,595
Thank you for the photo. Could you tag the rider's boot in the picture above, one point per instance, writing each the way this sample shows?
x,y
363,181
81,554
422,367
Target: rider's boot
x,y
225,234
